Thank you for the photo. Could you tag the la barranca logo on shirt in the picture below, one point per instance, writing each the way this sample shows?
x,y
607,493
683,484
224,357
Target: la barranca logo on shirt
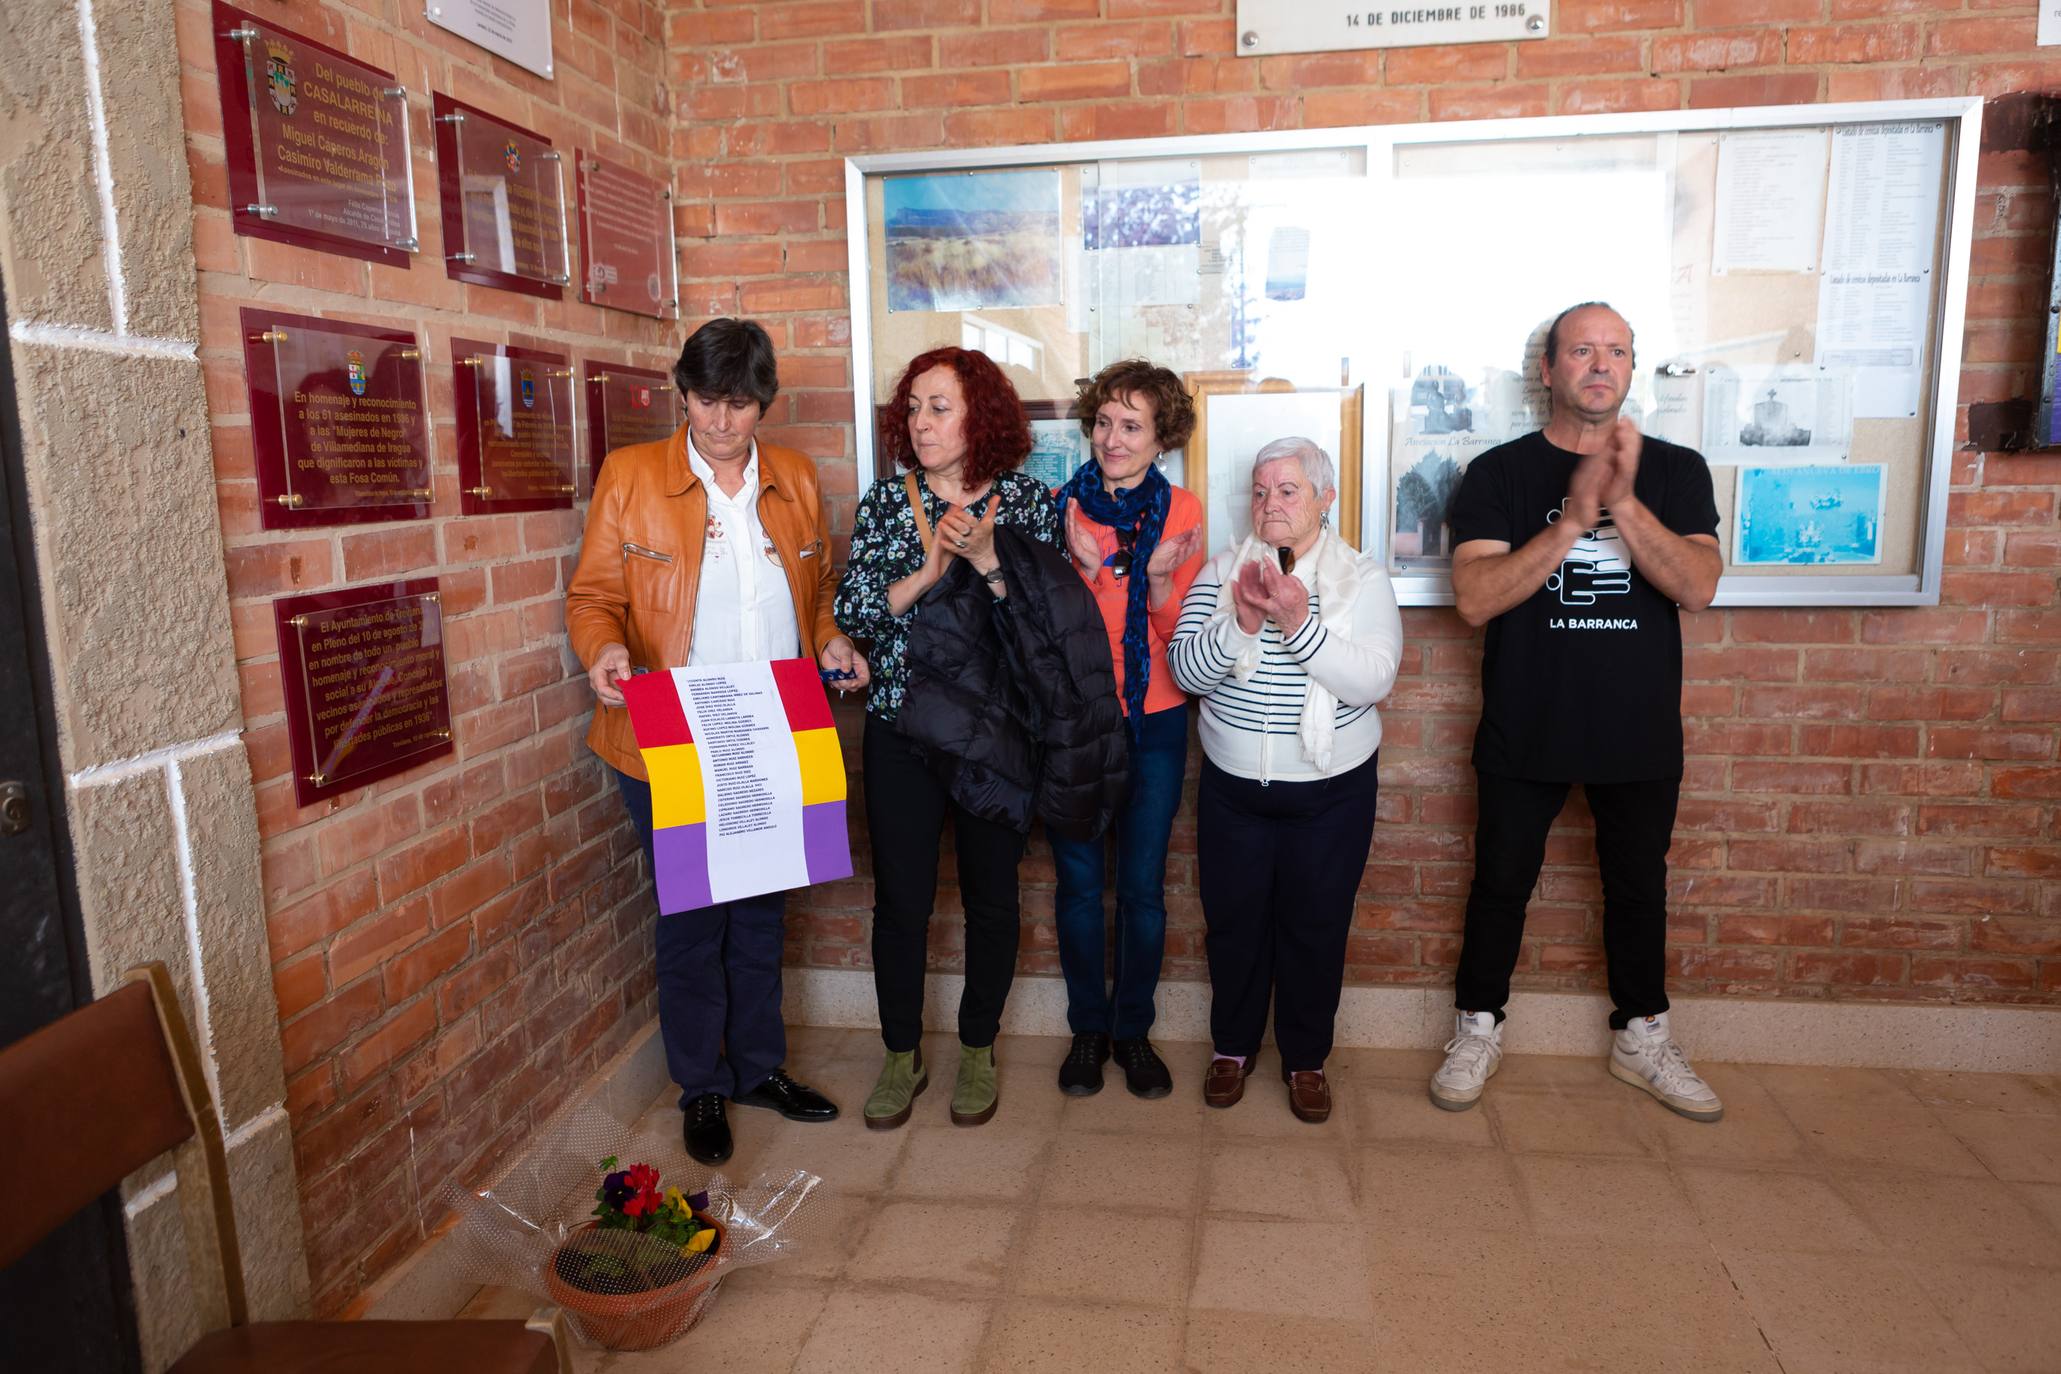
x,y
1597,567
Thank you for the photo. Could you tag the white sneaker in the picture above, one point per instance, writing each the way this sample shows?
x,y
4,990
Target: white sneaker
x,y
1644,1055
1472,1056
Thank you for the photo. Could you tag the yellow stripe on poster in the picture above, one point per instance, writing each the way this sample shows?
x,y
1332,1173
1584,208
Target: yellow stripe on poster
x,y
822,765
675,772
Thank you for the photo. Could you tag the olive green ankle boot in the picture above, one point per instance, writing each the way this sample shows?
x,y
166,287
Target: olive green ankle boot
x,y
974,1098
901,1080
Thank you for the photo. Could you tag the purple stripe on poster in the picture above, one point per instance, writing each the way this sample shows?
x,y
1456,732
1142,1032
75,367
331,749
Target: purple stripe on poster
x,y
826,843
680,856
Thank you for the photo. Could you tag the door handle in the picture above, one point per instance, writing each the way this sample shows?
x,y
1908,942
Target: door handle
x,y
14,808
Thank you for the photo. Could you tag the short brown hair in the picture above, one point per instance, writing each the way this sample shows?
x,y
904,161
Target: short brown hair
x,y
1173,410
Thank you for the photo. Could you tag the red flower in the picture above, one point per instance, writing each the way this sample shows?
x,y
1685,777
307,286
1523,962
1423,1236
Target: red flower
x,y
643,1178
644,1204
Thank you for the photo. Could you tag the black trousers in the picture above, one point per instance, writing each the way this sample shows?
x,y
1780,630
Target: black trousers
x,y
1278,865
1635,824
906,807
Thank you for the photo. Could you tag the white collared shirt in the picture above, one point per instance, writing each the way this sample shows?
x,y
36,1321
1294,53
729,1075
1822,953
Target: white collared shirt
x,y
743,609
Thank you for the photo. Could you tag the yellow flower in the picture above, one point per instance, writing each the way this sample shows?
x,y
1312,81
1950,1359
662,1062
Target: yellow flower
x,y
703,1239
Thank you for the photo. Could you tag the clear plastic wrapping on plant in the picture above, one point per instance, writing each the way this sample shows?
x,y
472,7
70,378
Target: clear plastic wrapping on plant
x,y
624,1230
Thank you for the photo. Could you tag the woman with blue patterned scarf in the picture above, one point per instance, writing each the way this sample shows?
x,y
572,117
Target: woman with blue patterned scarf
x,y
1137,541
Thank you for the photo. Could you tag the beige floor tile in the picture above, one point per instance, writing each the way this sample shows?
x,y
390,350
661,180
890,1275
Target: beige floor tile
x,y
1155,1173
750,1328
1429,1190
832,1229
883,1329
1400,1066
493,1303
2007,1315
1862,1315
1113,1109
809,1047
1242,1342
2001,1092
1755,1130
1103,1256
1855,1135
1032,1336
1264,1179
1312,1269
1804,1083
1623,1202
1925,1217
1043,1052
1760,1209
845,1080
1399,1112
1466,1300
2043,1198
952,1162
1531,1122
843,1153
1570,1073
1692,1321
942,1242
2025,1149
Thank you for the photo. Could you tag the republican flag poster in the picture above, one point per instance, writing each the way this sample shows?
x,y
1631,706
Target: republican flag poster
x,y
747,781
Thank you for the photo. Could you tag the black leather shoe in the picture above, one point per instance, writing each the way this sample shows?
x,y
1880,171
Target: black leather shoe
x,y
1081,1074
707,1129
1145,1073
795,1101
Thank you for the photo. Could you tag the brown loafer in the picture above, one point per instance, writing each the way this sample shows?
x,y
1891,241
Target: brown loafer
x,y
1309,1096
1224,1084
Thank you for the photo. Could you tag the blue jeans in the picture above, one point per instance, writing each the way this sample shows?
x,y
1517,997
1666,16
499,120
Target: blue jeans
x,y
718,982
1159,760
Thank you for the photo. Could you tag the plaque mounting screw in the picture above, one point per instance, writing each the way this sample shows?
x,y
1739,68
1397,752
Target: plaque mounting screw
x,y
1535,24
409,244
479,491
395,92
552,156
1248,39
292,500
272,336
590,166
462,257
261,211
468,362
319,779
455,117
411,354
433,596
562,279
444,733
242,35
299,622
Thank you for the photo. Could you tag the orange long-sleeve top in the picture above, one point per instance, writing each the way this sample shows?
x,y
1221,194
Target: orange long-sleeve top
x,y
1112,595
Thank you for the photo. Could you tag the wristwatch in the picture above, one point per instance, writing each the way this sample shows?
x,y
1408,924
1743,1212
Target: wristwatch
x,y
995,575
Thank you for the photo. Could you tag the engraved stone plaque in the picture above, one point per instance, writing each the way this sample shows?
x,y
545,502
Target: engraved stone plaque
x,y
366,694
337,421
503,194
514,408
316,143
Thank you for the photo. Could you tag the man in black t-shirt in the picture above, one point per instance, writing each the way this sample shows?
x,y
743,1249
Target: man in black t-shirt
x,y
1575,545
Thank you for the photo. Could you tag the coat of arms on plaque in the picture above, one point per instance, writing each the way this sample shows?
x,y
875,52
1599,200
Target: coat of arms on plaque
x,y
512,155
529,389
354,365
640,399
279,80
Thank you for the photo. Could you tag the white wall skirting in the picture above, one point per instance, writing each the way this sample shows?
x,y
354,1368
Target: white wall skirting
x,y
1973,1039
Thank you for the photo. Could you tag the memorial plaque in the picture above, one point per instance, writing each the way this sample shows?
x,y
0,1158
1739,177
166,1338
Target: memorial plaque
x,y
627,405
503,194
514,408
337,421
366,695
316,143
626,240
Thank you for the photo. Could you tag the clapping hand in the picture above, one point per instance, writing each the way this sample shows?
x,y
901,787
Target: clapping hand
x,y
1081,542
1260,593
1173,550
1622,448
971,539
1584,504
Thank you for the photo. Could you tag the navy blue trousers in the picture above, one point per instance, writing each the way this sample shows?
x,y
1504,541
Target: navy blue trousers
x,y
718,982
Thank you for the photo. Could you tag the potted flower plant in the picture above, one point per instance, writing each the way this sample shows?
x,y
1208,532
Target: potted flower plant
x,y
633,1275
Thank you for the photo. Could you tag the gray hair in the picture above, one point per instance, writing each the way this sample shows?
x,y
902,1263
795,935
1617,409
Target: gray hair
x,y
1316,464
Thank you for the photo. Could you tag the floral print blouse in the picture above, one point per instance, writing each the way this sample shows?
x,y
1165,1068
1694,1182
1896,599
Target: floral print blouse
x,y
886,549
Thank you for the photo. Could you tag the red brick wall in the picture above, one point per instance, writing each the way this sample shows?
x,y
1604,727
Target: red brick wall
x,y
456,948
1872,802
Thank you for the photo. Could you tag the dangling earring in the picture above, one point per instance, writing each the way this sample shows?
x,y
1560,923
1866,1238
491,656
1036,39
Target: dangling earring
x,y
1159,461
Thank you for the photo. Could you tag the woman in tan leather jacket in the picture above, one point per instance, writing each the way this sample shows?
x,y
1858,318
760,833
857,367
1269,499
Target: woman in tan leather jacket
x,y
709,547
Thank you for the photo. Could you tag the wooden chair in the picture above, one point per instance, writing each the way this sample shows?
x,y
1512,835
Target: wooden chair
x,y
97,1095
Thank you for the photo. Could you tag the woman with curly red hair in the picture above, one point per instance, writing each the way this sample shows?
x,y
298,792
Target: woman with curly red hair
x,y
957,429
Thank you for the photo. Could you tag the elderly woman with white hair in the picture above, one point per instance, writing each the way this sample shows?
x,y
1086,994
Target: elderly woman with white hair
x,y
1289,639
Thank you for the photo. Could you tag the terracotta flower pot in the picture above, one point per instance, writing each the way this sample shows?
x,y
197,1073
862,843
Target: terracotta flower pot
x,y
636,1321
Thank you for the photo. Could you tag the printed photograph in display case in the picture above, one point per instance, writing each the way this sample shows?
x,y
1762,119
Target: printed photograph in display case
x,y
1058,447
1809,515
972,240
1236,415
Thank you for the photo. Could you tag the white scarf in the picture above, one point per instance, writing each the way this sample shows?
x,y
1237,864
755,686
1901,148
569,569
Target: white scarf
x,y
1332,570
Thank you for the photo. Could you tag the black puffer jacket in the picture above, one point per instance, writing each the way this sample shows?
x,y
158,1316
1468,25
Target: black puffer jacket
x,y
1013,701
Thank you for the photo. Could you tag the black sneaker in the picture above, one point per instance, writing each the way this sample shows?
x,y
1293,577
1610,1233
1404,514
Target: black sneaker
x,y
1081,1074
1145,1073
